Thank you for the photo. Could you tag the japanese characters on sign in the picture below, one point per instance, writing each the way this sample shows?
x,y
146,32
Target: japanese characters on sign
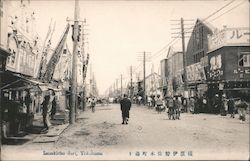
x,y
215,67
229,36
195,72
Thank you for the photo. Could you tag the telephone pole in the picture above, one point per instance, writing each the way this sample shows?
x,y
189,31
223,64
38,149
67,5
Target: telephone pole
x,y
182,35
116,87
186,95
74,65
184,56
85,61
131,82
144,76
121,85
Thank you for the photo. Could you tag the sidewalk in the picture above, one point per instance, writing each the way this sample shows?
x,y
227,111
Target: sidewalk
x,y
34,133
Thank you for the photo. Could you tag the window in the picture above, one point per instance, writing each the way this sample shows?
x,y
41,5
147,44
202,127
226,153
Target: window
x,y
11,59
244,60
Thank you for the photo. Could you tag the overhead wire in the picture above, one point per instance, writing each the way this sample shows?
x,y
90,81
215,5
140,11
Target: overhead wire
x,y
174,41
166,46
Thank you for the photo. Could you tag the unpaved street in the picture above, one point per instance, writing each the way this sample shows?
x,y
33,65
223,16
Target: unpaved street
x,y
148,135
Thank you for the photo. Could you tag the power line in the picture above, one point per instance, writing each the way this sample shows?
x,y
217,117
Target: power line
x,y
229,10
160,51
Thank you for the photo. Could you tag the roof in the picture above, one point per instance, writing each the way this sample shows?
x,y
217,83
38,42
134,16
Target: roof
x,y
207,24
25,83
4,52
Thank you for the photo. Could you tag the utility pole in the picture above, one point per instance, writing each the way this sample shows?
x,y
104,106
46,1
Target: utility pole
x,y
74,65
184,65
121,85
90,80
181,35
184,56
144,77
131,82
116,87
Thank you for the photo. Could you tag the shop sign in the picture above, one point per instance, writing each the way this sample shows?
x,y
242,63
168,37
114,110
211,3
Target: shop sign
x,y
221,86
204,61
185,94
228,36
195,72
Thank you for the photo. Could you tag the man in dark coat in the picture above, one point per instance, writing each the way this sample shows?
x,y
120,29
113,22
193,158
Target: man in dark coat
x,y
125,107
45,112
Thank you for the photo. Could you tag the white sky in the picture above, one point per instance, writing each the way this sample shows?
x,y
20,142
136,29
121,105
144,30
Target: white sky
x,y
118,30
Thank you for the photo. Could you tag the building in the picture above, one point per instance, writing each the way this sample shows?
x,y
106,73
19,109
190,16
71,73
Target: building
x,y
172,73
153,84
19,38
197,59
218,62
229,63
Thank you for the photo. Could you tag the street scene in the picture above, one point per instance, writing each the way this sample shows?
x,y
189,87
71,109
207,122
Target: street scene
x,y
124,80
148,135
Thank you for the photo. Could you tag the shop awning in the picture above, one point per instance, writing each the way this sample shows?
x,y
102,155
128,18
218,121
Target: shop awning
x,y
4,53
24,83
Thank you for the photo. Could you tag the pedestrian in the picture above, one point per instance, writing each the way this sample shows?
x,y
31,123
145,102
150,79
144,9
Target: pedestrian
x,y
231,107
177,107
53,100
170,106
217,104
92,104
149,101
139,100
159,104
198,106
27,100
242,106
125,108
184,103
45,105
27,105
153,101
192,104
224,106
204,104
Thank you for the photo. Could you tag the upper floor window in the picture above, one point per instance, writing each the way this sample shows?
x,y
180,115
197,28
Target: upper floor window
x,y
244,60
11,59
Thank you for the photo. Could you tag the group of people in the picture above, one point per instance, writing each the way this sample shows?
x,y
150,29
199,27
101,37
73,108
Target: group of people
x,y
91,103
234,105
197,104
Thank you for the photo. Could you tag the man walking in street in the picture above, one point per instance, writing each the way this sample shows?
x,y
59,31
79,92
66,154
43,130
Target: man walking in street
x,y
125,107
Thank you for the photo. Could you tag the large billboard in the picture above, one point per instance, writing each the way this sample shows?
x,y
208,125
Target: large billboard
x,y
229,37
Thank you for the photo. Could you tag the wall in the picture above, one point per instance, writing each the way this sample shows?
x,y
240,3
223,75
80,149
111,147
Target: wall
x,y
225,64
198,43
18,36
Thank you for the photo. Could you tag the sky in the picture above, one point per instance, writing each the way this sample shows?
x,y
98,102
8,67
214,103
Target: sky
x,y
118,31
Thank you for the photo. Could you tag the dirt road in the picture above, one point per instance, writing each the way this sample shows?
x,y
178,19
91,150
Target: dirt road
x,y
148,135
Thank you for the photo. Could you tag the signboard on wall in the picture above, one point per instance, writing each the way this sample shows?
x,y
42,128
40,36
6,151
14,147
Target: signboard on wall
x,y
195,72
229,36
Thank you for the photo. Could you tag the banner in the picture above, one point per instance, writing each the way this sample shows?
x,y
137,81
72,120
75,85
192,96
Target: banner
x,y
195,72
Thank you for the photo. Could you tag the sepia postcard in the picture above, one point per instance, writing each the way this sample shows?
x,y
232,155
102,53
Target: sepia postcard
x,y
124,79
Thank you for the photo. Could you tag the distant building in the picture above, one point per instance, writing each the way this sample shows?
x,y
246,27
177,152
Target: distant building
x,y
152,84
172,73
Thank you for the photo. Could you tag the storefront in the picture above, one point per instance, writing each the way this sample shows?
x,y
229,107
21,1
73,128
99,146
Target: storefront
x,y
229,62
17,115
